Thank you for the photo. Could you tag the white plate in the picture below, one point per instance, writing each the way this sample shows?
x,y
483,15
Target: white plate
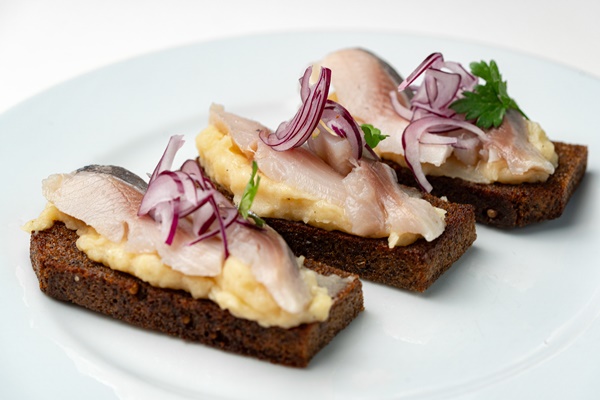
x,y
516,317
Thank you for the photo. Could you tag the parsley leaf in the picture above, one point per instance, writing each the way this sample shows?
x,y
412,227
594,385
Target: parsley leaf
x,y
248,197
372,135
486,104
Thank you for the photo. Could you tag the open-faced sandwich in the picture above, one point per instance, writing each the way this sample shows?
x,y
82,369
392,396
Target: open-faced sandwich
x,y
456,137
176,256
328,194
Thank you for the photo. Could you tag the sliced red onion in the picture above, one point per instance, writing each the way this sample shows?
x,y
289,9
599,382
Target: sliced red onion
x,y
429,138
430,61
166,161
403,111
425,110
187,193
339,120
441,87
225,217
431,118
158,193
295,132
411,141
315,108
468,81
163,214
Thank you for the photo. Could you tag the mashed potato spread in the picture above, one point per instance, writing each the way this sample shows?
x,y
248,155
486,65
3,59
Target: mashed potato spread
x,y
224,163
235,289
490,171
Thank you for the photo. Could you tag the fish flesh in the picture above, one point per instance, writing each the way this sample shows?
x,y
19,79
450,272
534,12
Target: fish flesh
x,y
510,142
363,83
375,198
108,198
373,202
311,174
336,151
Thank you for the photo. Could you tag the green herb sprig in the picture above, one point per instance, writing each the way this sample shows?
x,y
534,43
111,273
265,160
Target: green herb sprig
x,y
372,135
249,195
486,104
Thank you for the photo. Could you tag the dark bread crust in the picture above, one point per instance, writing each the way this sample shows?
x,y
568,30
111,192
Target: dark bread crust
x,y
66,274
414,267
510,206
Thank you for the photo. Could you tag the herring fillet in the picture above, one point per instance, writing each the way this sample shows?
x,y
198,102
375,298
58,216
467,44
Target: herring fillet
x,y
373,202
102,199
511,143
363,83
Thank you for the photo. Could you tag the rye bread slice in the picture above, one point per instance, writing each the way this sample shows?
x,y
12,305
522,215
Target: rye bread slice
x,y
415,267
65,273
511,206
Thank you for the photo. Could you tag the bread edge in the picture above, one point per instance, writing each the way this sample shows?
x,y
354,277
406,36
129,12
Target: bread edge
x,y
65,273
414,267
513,206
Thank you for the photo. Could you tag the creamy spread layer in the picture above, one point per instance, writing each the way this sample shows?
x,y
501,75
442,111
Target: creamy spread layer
x,y
493,168
500,145
228,165
235,289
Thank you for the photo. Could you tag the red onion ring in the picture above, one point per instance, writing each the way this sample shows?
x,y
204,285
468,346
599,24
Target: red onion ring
x,y
441,88
187,193
432,138
411,140
430,61
295,132
403,111
339,120
166,161
430,114
315,108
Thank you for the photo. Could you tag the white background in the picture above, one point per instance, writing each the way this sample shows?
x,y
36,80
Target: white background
x,y
43,43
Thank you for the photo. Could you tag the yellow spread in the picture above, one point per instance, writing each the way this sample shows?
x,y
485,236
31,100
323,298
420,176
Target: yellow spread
x,y
226,164
485,171
490,171
235,289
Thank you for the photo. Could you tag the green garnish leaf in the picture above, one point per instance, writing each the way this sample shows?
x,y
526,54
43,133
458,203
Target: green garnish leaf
x,y
372,135
257,220
248,197
486,104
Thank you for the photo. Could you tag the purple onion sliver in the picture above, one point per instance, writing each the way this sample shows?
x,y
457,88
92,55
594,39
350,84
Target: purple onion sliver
x,y
446,87
166,161
412,135
296,131
174,221
401,110
187,192
468,80
429,138
410,142
339,120
428,62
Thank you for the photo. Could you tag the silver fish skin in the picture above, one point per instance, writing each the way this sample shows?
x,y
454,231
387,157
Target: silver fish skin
x,y
117,172
363,83
107,198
